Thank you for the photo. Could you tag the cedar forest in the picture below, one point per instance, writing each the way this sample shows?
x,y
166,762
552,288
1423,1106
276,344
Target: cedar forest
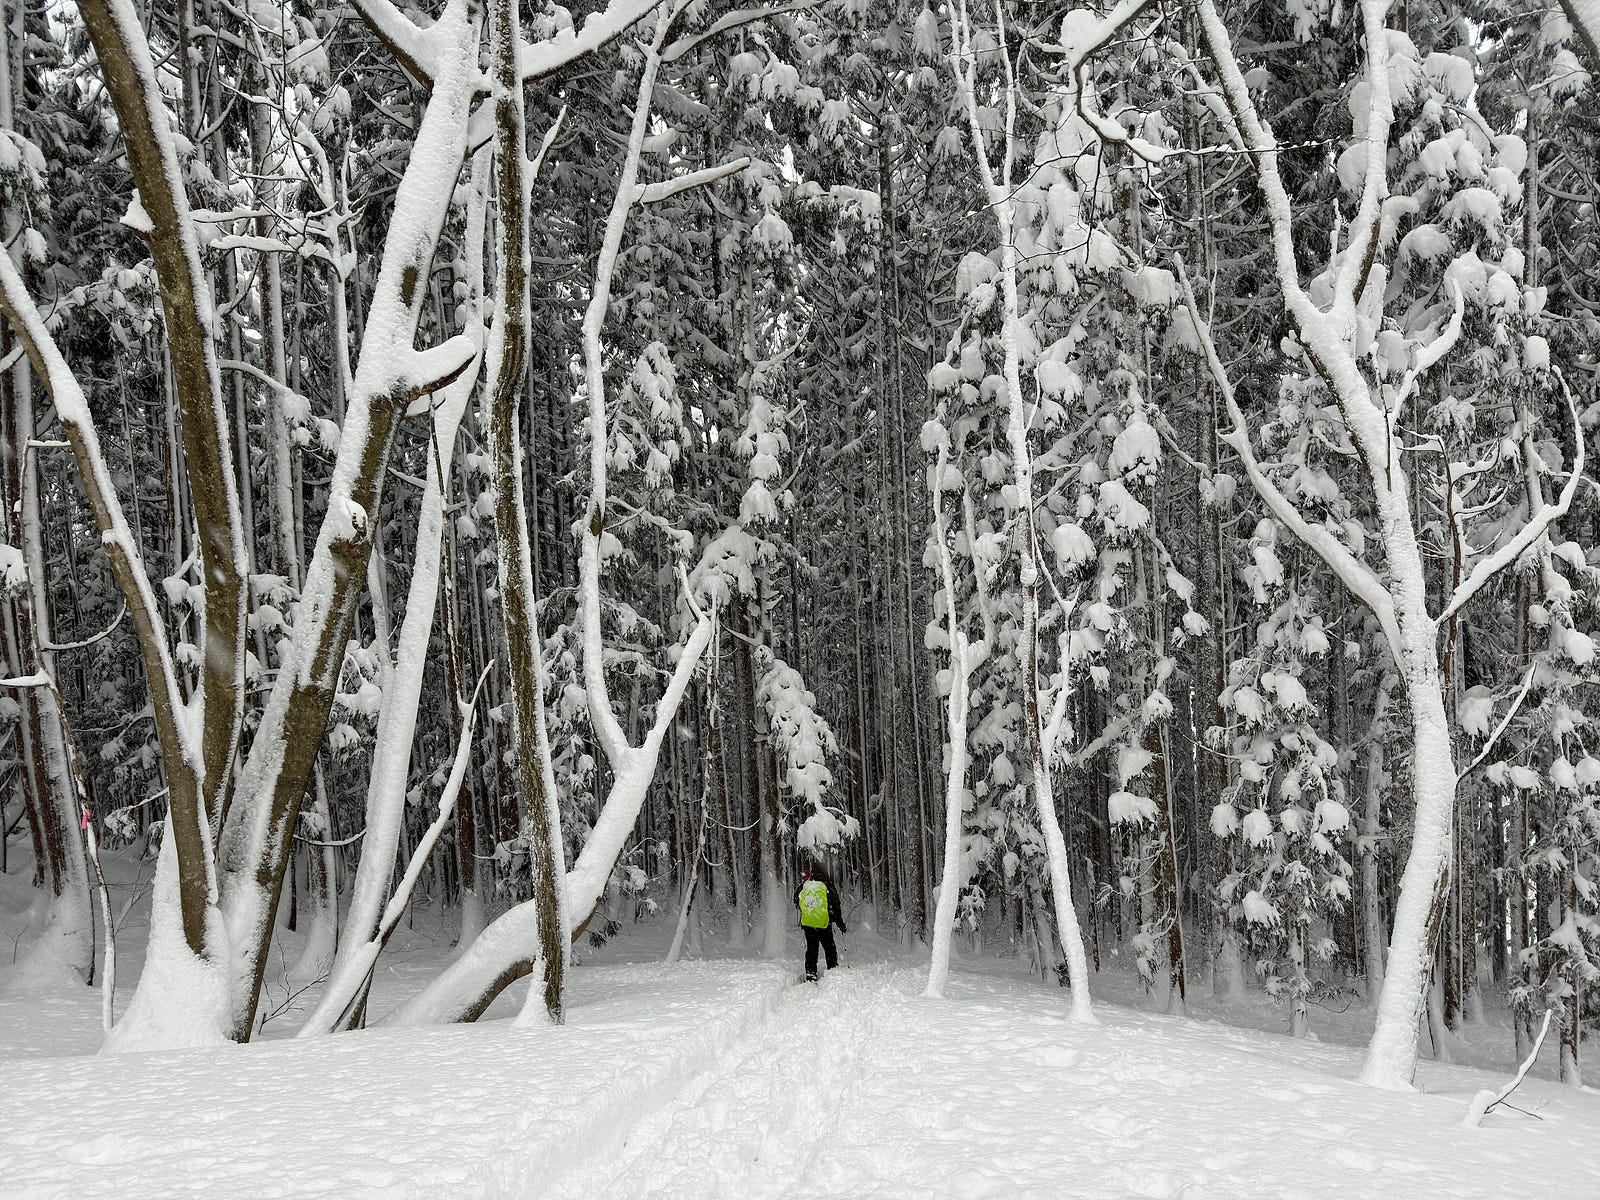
x,y
1109,481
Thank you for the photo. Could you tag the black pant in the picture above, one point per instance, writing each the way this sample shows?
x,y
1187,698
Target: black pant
x,y
823,938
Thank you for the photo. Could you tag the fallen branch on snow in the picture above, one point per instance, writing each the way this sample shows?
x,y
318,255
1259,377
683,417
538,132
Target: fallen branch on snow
x,y
1487,1100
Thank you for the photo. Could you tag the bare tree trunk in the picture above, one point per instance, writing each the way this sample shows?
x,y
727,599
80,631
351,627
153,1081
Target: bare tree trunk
x,y
508,349
66,943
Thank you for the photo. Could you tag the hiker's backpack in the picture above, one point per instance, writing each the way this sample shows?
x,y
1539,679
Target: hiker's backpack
x,y
814,904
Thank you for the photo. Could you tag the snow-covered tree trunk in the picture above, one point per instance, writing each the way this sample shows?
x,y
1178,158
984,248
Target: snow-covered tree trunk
x,y
713,740
1372,938
500,954
390,377
964,657
198,737
343,1001
997,191
1399,598
950,873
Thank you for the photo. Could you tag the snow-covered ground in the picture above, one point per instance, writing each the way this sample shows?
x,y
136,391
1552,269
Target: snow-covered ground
x,y
863,1088
728,1078
460,1110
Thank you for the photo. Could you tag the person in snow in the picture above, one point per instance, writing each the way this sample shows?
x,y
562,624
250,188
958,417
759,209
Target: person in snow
x,y
818,901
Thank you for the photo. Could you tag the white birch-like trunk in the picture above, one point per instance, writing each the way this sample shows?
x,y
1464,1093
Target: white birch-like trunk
x,y
999,196
1372,812
964,659
1391,1060
1398,599
950,876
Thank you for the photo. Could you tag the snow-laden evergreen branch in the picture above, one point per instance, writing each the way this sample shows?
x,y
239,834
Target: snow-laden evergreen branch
x,y
1360,579
1537,524
411,46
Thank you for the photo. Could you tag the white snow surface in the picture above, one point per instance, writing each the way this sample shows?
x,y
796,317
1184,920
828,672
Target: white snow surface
x,y
727,1078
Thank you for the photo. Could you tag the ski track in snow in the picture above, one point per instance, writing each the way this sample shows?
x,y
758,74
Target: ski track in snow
x,y
861,1088
726,1079
448,1111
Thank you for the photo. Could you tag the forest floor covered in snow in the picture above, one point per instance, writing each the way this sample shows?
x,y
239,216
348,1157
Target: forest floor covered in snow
x,y
727,1077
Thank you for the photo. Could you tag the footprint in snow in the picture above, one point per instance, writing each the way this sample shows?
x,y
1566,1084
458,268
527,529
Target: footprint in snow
x,y
1058,1057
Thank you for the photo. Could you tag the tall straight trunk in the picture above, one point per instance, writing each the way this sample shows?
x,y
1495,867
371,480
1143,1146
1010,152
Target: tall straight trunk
x,y
66,942
863,770
774,909
893,339
1572,1005
1372,934
1227,974
508,350
1519,837
1168,897
961,664
999,195
1172,985
466,814
909,906
738,917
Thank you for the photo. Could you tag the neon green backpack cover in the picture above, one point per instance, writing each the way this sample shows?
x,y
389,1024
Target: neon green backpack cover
x,y
814,904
